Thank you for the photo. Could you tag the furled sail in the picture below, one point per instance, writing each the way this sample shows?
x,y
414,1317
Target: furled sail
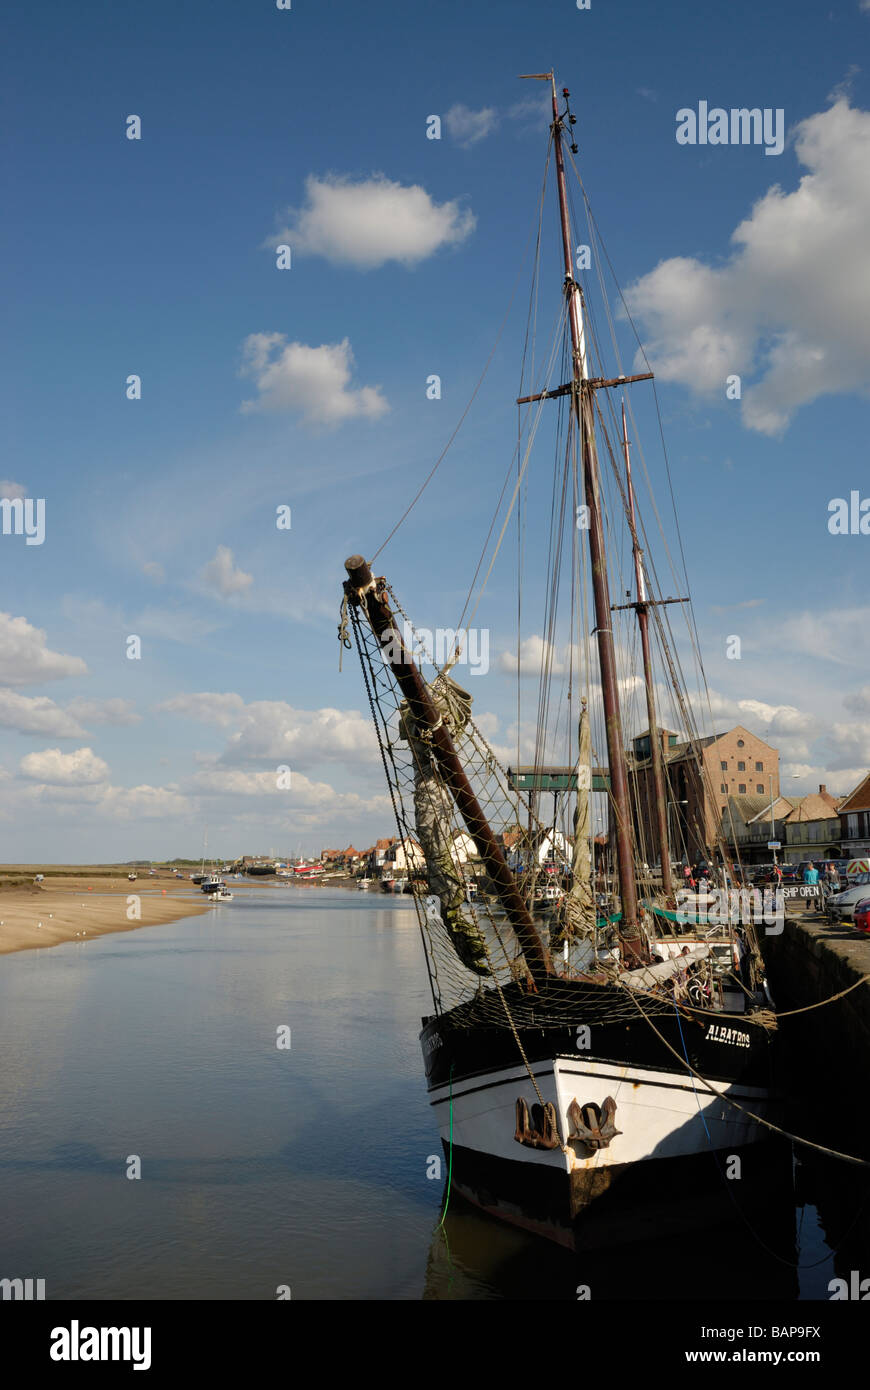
x,y
433,818
578,911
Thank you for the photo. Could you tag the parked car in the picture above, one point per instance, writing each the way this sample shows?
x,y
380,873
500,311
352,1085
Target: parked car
x,y
840,907
862,916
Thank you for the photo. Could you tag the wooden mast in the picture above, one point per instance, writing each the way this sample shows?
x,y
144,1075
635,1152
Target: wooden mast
x,y
365,591
584,406
641,607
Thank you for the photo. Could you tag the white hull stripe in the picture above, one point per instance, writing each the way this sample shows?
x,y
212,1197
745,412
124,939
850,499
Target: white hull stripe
x,y
732,1089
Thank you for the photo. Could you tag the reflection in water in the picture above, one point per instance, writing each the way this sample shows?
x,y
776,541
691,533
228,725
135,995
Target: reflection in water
x,y
307,1167
475,1256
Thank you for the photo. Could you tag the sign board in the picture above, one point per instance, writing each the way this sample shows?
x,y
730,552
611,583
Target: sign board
x,y
774,844
558,779
800,890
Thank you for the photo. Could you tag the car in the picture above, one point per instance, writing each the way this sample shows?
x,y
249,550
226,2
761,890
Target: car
x,y
840,907
862,916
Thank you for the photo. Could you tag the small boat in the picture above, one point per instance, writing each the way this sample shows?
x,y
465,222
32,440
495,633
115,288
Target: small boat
x,y
364,883
131,878
213,885
388,885
223,895
400,885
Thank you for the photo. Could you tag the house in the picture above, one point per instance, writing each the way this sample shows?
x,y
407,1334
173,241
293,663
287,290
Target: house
x,y
406,856
812,829
464,848
854,814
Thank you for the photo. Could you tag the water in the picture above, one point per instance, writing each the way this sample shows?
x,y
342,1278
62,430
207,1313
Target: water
x,y
263,1167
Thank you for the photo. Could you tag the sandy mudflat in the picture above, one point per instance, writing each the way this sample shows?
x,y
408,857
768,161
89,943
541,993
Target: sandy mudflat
x,y
68,912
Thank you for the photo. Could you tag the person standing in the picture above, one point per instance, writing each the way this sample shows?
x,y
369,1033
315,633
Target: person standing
x,y
811,874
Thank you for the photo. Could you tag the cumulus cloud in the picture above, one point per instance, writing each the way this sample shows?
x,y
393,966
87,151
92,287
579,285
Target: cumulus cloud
x,y
114,711
467,126
274,730
207,707
37,715
26,660
64,769
313,381
536,655
790,310
367,222
222,576
828,635
12,490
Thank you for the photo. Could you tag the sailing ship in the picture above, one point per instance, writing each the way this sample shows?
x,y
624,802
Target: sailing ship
x,y
597,1048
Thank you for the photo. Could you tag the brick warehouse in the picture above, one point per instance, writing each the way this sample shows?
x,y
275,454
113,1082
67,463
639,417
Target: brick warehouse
x,y
700,776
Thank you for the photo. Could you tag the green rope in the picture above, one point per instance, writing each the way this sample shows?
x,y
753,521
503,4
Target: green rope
x,y
450,1162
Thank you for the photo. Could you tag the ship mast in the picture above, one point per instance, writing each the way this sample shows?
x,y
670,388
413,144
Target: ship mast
x,y
583,395
641,607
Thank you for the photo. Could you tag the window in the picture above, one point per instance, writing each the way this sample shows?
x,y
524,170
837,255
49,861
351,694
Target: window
x,y
741,767
740,743
724,767
723,788
742,788
759,787
759,767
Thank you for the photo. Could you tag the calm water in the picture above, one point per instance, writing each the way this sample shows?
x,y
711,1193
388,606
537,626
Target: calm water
x,y
263,1167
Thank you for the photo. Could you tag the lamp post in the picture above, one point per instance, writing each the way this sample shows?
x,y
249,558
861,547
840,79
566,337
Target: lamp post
x,y
772,835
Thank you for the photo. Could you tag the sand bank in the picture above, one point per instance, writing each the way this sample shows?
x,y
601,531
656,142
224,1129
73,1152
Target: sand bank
x,y
62,909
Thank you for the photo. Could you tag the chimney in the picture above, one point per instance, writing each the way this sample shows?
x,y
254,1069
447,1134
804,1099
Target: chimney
x,y
822,789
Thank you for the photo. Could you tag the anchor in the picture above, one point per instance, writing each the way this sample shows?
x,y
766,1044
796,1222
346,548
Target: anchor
x,y
593,1125
542,1132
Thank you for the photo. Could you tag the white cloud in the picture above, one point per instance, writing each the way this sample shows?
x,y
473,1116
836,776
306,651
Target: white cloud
x,y
146,803
115,711
537,655
154,571
274,730
826,635
222,576
467,126
64,769
37,715
315,381
209,708
790,310
372,221
26,660
13,490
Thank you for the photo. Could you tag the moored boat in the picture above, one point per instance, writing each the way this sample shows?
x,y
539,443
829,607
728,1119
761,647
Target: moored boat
x,y
588,1053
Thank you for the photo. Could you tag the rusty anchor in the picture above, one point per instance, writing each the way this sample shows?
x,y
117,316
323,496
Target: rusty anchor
x,y
542,1131
592,1124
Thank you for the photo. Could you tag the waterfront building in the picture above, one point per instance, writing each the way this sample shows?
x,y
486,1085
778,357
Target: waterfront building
x,y
702,776
854,814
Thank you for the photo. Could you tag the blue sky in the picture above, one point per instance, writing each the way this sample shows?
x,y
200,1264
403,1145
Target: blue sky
x,y
156,257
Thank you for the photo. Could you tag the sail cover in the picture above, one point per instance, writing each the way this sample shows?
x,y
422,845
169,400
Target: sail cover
x,y
579,905
433,819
